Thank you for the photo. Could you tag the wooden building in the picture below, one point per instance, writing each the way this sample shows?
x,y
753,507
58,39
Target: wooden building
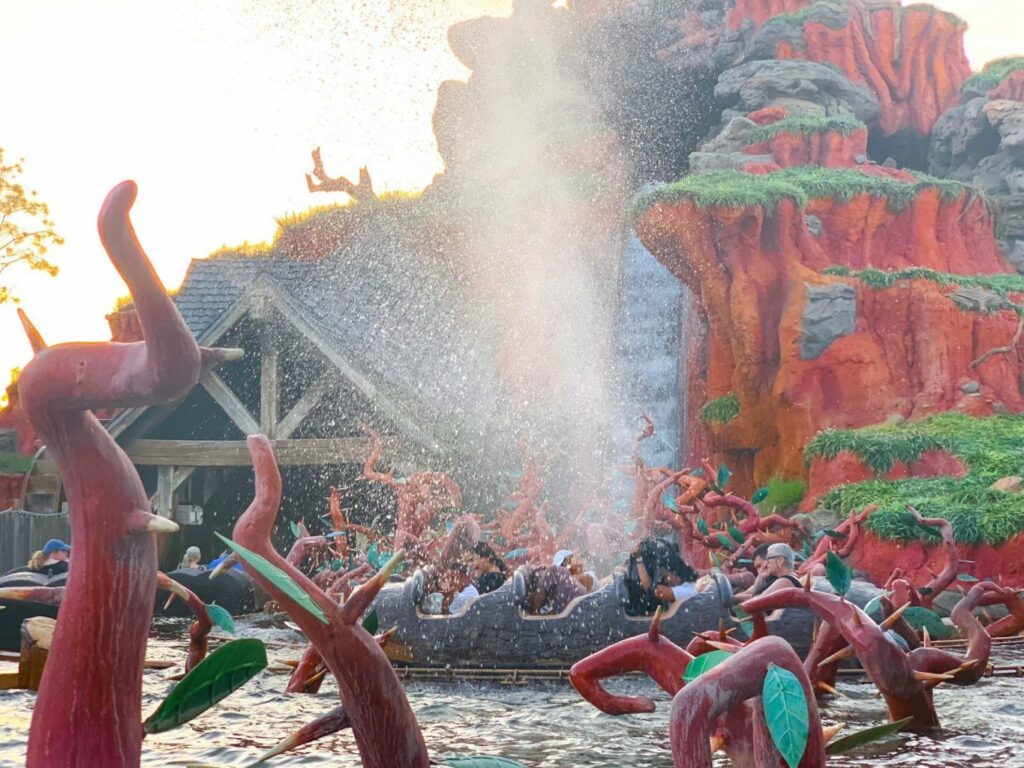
x,y
376,333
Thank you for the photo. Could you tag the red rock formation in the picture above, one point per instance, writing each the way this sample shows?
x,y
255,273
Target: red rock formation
x,y
752,269
878,557
829,149
1012,87
848,468
912,58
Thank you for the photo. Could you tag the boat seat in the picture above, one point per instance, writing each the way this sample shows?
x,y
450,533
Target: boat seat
x,y
564,612
416,587
520,579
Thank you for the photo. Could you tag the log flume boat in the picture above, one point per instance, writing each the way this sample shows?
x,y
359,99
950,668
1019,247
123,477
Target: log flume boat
x,y
232,590
14,612
495,631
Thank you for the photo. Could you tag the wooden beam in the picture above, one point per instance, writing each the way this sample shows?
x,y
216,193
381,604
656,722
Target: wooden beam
x,y
235,453
305,404
270,396
163,499
229,402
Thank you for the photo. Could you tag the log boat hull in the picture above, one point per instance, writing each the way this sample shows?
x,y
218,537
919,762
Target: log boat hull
x,y
232,590
494,632
14,612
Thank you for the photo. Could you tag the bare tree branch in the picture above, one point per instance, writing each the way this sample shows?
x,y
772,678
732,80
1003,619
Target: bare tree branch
x,y
363,191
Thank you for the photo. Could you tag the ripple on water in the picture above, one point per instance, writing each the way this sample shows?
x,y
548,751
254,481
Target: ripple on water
x,y
543,725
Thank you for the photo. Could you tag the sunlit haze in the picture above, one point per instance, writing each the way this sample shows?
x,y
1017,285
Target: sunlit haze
x,y
213,108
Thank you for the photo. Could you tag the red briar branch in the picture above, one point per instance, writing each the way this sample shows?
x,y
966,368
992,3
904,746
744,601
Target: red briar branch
x,y
87,703
1011,624
383,723
661,659
852,527
199,630
697,709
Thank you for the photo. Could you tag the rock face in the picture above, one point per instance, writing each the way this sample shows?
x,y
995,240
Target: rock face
x,y
981,141
799,87
804,349
911,58
829,314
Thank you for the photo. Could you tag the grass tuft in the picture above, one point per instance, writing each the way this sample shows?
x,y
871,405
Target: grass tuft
x,y
990,448
1001,284
783,494
952,18
801,16
807,126
993,74
738,189
721,410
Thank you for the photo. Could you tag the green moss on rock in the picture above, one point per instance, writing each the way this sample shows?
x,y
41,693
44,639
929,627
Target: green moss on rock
x,y
989,448
738,189
807,126
1001,284
783,494
993,74
721,410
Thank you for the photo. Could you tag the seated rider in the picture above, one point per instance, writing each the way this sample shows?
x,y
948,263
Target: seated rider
x,y
36,561
191,559
552,588
774,563
490,571
657,576
575,564
58,555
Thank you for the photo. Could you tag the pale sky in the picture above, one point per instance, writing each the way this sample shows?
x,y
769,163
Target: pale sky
x,y
213,106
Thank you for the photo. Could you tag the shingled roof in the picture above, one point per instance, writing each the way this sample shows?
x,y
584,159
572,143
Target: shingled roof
x,y
389,303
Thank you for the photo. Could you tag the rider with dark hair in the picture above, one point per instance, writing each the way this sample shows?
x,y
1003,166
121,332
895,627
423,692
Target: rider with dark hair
x,y
657,575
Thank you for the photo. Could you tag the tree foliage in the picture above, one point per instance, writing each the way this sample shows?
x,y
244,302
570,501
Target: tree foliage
x,y
26,231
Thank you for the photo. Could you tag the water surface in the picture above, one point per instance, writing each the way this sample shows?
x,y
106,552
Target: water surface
x,y
543,725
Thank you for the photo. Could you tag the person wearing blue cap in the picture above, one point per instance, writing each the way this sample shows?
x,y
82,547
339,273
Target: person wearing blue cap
x,y
57,555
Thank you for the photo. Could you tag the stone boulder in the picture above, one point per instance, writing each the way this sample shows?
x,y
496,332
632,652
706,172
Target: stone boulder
x,y
830,312
799,87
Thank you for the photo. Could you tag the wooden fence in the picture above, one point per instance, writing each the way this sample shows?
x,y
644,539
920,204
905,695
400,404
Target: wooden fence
x,y
22,533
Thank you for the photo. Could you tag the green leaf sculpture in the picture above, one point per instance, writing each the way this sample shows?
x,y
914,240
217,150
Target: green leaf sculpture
x,y
921,618
838,573
874,607
785,712
966,577
702,526
221,618
294,527
743,618
481,761
759,495
837,535
277,577
726,542
736,534
860,738
371,622
669,501
722,479
701,664
215,677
